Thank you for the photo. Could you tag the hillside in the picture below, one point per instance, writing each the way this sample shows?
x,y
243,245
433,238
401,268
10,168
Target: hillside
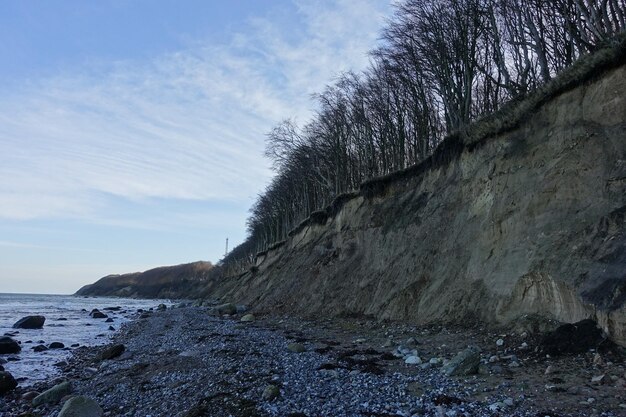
x,y
164,282
524,212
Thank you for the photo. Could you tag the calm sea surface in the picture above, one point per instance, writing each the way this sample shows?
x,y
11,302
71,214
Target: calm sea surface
x,y
79,328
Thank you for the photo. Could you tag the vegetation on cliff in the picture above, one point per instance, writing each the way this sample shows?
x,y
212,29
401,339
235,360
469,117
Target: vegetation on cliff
x,y
442,65
177,281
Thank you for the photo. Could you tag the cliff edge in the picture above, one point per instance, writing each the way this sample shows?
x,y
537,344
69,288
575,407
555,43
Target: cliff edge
x,y
528,217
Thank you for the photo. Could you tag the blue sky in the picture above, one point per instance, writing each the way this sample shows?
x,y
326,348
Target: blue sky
x,y
132,131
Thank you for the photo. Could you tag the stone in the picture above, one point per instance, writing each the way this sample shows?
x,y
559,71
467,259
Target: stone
x,y
29,396
271,392
572,338
248,318
415,389
97,314
499,342
53,395
161,307
7,382
111,328
109,320
465,363
549,370
413,360
599,379
8,345
39,348
227,308
514,364
56,345
493,358
411,341
112,352
81,406
597,360
296,347
30,322
388,343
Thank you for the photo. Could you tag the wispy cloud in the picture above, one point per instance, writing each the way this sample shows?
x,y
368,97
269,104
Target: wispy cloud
x,y
188,125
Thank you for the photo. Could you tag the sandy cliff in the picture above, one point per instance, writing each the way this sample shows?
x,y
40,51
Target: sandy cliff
x,y
529,218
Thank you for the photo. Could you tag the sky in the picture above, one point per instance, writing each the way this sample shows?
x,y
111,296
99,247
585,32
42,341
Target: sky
x,y
132,131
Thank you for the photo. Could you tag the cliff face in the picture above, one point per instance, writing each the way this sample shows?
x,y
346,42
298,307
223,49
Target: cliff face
x,y
527,221
164,282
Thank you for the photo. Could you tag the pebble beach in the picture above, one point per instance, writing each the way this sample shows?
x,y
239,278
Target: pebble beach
x,y
194,361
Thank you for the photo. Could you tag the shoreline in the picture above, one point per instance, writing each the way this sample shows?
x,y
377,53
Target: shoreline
x,y
186,362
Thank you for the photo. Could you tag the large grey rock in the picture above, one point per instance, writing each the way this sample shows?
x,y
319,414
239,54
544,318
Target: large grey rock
x,y
8,345
227,308
7,382
53,395
465,363
30,322
81,407
112,352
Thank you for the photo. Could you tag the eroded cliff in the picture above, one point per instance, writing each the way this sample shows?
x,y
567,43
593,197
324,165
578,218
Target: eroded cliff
x,y
530,219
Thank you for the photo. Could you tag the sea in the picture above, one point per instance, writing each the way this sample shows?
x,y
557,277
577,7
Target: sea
x,y
67,321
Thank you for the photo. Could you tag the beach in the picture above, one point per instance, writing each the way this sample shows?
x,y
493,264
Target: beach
x,y
192,361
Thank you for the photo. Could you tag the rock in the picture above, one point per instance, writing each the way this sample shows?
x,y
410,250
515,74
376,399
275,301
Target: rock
x,y
7,382
388,343
227,308
97,314
415,388
53,395
39,348
116,308
549,370
411,341
62,319
360,340
8,345
296,348
499,342
497,406
514,364
248,318
109,320
112,352
56,345
270,392
161,307
144,315
81,407
597,360
572,338
30,322
599,379
465,363
111,328
413,360
29,396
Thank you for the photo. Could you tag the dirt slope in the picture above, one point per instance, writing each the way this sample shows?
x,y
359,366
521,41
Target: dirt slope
x,y
529,220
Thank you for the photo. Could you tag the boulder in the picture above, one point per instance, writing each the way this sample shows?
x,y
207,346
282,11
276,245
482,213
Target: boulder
x,y
109,320
81,407
227,308
465,363
270,392
53,395
39,348
572,338
248,318
112,352
30,322
97,314
8,345
7,382
161,307
56,345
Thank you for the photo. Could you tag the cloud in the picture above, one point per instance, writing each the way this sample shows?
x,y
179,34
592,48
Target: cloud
x,y
188,125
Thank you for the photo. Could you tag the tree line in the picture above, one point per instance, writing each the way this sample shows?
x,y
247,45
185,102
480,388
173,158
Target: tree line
x,y
441,64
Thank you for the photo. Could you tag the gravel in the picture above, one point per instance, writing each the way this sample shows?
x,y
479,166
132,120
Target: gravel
x,y
186,362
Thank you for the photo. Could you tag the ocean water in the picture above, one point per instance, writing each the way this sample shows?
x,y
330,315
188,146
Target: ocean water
x,y
29,367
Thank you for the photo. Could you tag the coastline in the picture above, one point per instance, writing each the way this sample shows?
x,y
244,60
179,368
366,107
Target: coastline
x,y
189,362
